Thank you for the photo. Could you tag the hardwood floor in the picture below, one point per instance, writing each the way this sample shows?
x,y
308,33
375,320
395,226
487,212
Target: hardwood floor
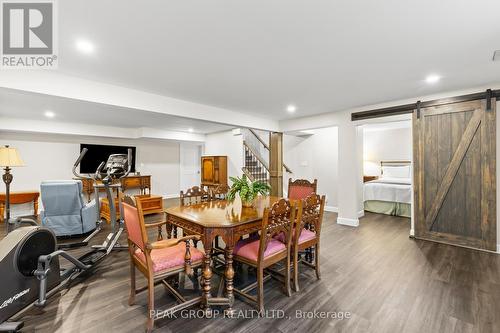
x,y
384,280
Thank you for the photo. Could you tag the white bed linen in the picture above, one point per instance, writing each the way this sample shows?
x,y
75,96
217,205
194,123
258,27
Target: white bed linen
x,y
388,189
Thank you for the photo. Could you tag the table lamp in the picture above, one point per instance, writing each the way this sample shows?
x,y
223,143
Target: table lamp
x,y
9,157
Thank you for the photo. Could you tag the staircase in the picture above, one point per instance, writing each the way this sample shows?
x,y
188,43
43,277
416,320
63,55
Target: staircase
x,y
256,157
255,168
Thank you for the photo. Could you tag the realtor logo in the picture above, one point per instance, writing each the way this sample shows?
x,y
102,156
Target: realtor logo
x,y
28,34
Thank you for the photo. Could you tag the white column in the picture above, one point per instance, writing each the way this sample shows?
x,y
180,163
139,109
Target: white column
x,y
350,179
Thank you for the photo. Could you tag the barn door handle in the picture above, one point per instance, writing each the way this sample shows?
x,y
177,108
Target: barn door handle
x,y
489,95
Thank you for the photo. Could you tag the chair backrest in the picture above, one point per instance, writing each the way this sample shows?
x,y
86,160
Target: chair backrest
x,y
220,192
277,219
310,215
194,195
300,188
62,197
134,222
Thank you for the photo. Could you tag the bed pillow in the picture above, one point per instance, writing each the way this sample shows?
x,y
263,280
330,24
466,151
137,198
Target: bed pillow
x,y
396,171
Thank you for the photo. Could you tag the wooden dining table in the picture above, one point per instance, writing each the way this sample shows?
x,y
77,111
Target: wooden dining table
x,y
226,220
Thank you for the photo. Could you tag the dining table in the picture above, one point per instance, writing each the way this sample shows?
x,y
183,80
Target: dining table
x,y
227,220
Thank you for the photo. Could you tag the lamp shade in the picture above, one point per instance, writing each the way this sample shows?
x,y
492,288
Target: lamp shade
x,y
9,157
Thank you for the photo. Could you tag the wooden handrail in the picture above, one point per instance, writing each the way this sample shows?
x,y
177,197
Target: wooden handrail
x,y
257,156
267,147
246,172
259,138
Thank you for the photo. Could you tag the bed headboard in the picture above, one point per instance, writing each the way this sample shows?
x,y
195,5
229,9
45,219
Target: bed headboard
x,y
393,163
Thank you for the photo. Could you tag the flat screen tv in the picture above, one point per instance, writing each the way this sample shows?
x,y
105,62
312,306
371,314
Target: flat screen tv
x,y
100,153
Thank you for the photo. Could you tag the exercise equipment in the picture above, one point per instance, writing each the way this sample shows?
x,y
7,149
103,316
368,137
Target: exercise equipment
x,y
29,256
107,177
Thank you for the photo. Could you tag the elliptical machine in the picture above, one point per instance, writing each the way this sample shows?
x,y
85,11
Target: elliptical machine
x,y
107,177
29,256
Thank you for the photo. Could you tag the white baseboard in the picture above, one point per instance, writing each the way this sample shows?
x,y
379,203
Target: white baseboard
x,y
349,222
332,209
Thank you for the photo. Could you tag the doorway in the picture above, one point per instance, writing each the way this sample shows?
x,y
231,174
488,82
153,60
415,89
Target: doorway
x,y
190,159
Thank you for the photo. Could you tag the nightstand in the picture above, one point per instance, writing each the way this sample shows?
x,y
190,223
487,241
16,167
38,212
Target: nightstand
x,y
369,178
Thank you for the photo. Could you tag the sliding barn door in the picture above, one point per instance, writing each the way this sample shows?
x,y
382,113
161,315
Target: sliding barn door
x,y
454,176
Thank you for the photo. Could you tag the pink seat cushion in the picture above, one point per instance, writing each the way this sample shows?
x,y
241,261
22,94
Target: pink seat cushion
x,y
170,257
300,192
305,235
249,248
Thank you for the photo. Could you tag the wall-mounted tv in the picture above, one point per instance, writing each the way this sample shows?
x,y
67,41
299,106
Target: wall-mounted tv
x,y
100,153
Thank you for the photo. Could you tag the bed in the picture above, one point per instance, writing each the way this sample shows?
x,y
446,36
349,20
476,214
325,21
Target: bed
x,y
391,193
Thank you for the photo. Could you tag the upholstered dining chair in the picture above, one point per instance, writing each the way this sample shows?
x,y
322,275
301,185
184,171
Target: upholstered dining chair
x,y
301,188
192,196
265,251
158,260
307,232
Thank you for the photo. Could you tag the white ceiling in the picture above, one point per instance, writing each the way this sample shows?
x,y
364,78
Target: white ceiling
x,y
22,105
258,56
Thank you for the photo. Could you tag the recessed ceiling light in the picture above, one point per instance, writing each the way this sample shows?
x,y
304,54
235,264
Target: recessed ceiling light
x,y
85,46
291,108
433,78
190,130
49,114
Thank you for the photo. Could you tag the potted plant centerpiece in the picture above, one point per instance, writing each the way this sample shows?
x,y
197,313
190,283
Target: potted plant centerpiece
x,y
247,190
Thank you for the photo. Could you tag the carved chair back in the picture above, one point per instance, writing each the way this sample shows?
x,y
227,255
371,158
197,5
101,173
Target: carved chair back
x,y
277,219
310,215
301,188
194,195
220,192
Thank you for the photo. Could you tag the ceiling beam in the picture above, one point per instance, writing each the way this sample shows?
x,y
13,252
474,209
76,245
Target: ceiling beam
x,y
56,84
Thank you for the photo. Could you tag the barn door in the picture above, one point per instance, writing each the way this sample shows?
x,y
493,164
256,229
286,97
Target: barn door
x,y
454,176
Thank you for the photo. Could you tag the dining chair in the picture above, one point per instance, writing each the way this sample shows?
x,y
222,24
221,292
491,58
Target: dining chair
x,y
158,260
301,188
194,195
264,251
307,232
220,192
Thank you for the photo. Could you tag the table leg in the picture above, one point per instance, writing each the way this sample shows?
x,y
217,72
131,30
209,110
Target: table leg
x,y
206,276
229,275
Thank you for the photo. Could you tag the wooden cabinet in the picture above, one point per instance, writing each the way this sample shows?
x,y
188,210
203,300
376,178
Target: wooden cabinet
x,y
151,204
213,171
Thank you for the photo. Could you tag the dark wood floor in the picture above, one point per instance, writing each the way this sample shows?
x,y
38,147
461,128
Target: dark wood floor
x,y
386,281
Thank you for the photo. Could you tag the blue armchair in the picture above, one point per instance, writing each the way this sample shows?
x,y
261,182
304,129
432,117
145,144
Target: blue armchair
x,y
64,209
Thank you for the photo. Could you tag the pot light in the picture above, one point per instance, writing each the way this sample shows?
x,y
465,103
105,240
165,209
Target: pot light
x,y
49,114
433,78
85,46
291,108
190,130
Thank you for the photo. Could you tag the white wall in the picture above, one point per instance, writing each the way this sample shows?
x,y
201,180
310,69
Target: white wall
x,y
314,157
51,157
385,145
227,144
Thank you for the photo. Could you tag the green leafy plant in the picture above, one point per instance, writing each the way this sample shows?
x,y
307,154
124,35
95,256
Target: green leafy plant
x,y
247,189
